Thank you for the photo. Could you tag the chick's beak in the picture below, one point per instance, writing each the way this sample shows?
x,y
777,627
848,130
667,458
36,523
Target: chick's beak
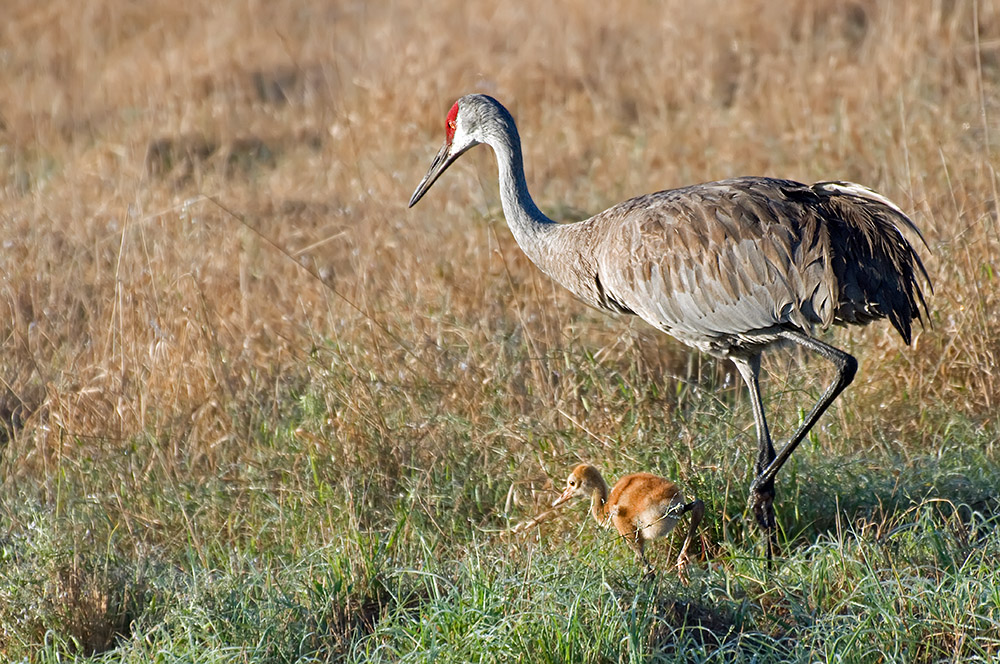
x,y
566,495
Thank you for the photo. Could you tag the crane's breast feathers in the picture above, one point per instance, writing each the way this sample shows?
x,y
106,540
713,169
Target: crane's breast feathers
x,y
739,257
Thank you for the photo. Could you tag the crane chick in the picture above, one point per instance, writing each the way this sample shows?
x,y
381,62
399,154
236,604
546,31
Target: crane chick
x,y
641,507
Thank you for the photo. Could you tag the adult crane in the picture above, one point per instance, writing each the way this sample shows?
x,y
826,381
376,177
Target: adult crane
x,y
731,268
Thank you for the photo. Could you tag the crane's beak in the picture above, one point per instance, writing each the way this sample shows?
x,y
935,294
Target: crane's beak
x,y
566,495
440,164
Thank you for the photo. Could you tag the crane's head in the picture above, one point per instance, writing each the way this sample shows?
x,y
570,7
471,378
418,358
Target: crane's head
x,y
581,482
467,124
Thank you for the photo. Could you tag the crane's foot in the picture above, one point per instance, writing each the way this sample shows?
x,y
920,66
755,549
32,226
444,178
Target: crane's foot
x,y
762,505
647,567
683,563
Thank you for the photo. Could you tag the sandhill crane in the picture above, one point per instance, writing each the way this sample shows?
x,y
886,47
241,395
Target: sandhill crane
x,y
641,507
731,268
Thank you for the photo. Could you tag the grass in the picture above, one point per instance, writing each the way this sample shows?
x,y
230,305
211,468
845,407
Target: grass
x,y
255,410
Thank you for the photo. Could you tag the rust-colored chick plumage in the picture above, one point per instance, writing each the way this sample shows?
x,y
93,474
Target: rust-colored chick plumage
x,y
641,507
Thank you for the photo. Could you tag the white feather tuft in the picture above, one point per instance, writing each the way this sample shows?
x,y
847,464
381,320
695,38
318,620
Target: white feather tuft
x,y
854,189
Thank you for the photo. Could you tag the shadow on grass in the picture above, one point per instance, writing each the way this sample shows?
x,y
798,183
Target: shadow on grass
x,y
962,479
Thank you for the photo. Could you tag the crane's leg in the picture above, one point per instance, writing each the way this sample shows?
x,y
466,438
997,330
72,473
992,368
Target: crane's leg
x,y
697,509
846,365
761,491
638,545
768,463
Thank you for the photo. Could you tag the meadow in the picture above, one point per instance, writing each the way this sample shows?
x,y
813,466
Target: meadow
x,y
255,410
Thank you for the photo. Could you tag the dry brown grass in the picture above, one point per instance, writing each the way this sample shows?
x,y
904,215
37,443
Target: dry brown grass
x,y
134,304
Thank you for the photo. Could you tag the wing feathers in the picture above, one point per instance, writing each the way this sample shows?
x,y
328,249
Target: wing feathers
x,y
736,257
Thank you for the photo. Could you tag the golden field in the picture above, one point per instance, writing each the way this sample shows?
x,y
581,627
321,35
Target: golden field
x,y
137,304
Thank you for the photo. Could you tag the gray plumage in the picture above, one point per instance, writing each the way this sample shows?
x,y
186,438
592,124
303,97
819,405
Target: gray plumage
x,y
728,267
718,265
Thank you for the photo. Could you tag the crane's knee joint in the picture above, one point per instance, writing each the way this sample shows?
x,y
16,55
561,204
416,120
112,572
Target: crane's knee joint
x,y
762,488
848,370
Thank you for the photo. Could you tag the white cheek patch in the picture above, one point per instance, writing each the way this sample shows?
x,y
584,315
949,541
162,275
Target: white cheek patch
x,y
461,136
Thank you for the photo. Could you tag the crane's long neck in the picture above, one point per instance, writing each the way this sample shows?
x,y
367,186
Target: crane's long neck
x,y
530,227
559,250
599,502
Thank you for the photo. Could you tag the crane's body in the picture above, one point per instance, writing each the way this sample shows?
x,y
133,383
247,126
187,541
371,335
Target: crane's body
x,y
641,507
729,267
721,264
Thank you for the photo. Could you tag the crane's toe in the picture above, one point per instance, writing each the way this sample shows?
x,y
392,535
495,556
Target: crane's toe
x,y
762,505
683,563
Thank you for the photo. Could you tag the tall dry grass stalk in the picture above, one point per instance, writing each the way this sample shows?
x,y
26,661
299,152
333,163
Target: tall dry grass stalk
x,y
133,303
